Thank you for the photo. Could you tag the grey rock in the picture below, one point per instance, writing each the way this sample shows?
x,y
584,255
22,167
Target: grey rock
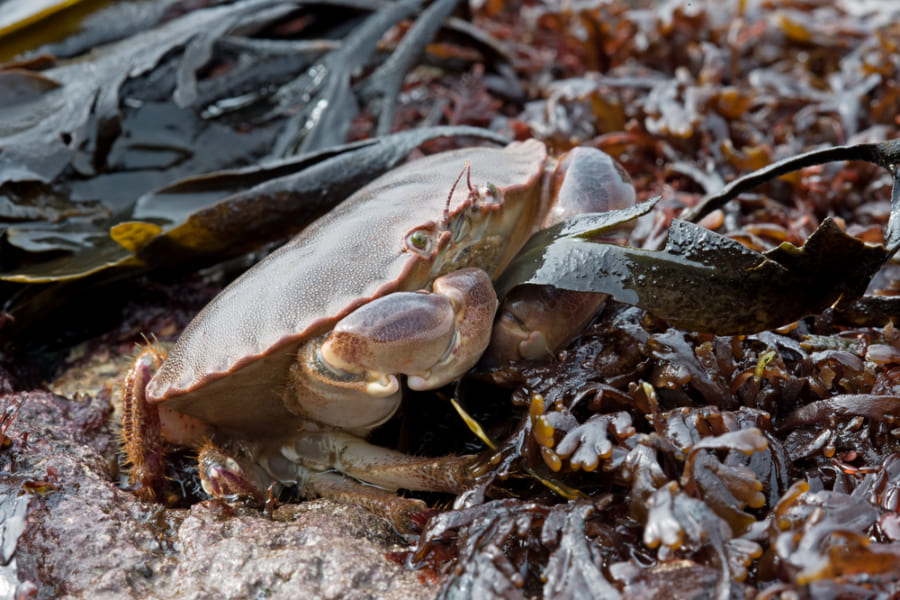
x,y
84,537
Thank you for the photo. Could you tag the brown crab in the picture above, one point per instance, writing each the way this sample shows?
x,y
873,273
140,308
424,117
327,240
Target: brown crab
x,y
282,375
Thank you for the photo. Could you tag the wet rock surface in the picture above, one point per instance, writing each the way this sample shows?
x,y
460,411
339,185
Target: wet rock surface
x,y
83,537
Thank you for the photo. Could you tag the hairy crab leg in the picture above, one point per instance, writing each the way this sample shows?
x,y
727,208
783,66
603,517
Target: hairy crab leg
x,y
145,450
148,428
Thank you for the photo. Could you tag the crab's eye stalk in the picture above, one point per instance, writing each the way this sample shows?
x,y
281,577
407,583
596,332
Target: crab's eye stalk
x,y
419,241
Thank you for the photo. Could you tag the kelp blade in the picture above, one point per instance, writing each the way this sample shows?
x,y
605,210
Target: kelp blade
x,y
703,281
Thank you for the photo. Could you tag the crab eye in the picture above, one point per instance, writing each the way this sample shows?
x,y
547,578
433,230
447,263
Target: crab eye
x,y
490,193
418,241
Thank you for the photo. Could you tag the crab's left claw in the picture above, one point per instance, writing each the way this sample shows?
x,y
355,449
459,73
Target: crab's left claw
x,y
535,322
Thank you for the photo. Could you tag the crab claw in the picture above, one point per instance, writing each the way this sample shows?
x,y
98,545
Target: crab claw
x,y
431,338
223,477
349,379
536,321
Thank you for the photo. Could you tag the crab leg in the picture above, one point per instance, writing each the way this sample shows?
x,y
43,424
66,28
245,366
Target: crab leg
x,y
241,472
148,428
141,434
388,469
406,514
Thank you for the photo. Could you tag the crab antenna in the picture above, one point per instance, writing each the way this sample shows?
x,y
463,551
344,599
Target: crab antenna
x,y
446,218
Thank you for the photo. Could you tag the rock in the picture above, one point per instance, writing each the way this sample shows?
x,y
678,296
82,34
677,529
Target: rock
x,y
84,537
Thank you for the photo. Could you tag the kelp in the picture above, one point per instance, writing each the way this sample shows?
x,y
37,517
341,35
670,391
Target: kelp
x,y
819,537
704,281
712,465
102,130
227,213
556,536
134,158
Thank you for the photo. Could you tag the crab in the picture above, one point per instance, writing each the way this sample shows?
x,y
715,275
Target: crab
x,y
281,377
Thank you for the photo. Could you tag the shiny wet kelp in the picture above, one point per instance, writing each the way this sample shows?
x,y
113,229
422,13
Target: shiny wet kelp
x,y
737,462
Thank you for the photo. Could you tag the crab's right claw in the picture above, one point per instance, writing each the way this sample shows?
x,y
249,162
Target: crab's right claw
x,y
432,338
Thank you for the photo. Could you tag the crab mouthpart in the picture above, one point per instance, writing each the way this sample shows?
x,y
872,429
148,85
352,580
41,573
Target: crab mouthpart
x,y
336,397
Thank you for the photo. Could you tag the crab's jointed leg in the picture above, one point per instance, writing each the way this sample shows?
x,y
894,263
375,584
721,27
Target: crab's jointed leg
x,y
149,429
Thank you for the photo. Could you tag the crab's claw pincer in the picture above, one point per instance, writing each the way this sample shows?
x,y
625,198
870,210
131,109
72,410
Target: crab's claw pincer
x,y
431,338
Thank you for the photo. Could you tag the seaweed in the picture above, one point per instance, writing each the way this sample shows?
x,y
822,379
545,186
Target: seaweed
x,y
703,281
